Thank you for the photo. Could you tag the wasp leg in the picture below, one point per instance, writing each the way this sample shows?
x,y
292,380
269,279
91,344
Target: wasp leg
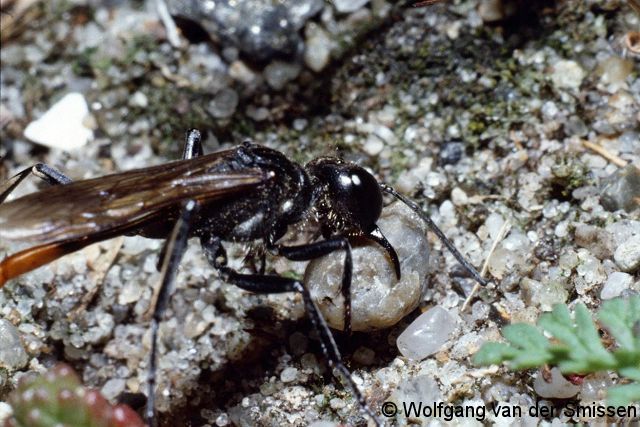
x,y
174,249
377,236
42,171
457,255
277,284
192,145
317,249
214,251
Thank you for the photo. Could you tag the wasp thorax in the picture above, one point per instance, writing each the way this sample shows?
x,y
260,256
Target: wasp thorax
x,y
348,197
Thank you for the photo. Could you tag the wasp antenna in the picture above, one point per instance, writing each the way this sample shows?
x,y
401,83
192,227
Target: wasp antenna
x,y
414,207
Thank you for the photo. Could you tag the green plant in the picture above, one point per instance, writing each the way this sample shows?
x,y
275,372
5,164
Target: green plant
x,y
57,398
576,346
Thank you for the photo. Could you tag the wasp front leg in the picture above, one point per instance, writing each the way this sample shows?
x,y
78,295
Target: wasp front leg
x,y
318,249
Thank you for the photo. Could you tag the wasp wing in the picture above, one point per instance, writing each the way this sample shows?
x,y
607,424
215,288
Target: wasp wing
x,y
123,200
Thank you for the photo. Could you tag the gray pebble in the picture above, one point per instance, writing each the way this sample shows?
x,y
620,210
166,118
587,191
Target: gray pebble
x,y
348,6
378,299
627,255
223,104
622,190
279,73
597,240
616,283
12,353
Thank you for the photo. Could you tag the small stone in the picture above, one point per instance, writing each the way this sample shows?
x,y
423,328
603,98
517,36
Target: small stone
x,y
549,110
622,190
451,153
5,412
494,224
131,292
139,100
575,126
511,255
378,299
239,71
627,255
373,146
491,10
257,113
113,388
597,240
279,73
222,420
427,334
459,197
12,353
301,10
422,388
590,268
224,104
567,74
616,283
300,124
288,375
558,388
262,30
614,70
62,126
594,387
336,403
545,295
322,423
318,48
409,180
364,355
348,6
385,134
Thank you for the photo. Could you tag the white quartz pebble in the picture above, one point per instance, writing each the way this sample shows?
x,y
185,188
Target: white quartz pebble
x,y
427,334
63,125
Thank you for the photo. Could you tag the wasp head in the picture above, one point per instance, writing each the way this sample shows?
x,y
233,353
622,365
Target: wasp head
x,y
348,199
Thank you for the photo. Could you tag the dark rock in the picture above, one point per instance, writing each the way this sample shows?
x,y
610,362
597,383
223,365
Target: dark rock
x,y
622,190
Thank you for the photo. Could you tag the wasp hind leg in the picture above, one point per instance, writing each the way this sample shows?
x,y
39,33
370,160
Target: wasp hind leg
x,y
277,284
173,251
42,171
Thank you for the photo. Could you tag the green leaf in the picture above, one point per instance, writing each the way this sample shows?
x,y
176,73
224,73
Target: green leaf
x,y
619,316
631,373
577,346
560,325
525,336
623,395
494,353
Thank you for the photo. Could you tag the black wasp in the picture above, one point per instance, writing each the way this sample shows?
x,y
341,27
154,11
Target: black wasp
x,y
247,193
